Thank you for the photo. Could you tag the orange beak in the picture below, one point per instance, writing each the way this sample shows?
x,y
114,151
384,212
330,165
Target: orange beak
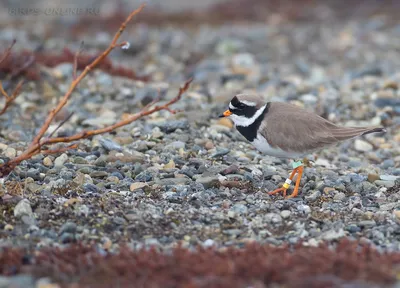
x,y
225,114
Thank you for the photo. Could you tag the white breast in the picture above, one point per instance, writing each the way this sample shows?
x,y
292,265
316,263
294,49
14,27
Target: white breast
x,y
262,145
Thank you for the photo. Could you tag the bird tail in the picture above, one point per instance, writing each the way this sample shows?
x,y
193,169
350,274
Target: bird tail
x,y
374,130
344,133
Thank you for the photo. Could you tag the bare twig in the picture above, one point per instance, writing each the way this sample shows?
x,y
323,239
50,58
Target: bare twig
x,y
60,150
76,58
61,124
8,51
40,141
27,64
10,98
78,79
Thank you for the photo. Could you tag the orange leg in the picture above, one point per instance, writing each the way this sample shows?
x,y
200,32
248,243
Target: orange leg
x,y
283,189
296,187
299,170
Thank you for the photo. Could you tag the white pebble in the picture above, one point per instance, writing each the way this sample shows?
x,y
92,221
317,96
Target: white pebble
x,y
362,146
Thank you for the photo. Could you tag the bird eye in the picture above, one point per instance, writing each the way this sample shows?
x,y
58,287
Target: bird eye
x,y
240,105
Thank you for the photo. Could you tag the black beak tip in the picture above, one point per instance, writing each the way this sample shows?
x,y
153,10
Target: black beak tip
x,y
221,116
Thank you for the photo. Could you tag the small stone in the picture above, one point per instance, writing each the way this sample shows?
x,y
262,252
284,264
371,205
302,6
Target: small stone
x,y
373,177
339,196
80,160
362,146
220,152
144,176
333,234
327,190
313,196
68,227
230,170
309,98
112,179
176,145
3,146
110,145
208,243
156,133
23,208
389,177
60,160
367,223
304,209
388,206
285,214
208,182
225,122
8,227
62,70
90,188
10,152
397,214
209,145
239,208
232,232
137,185
100,162
387,184
172,125
47,161
98,174
273,218
170,164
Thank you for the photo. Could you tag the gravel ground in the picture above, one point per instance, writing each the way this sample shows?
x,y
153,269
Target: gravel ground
x,y
190,178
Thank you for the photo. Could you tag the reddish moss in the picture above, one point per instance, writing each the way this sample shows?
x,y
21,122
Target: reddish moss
x,y
24,64
255,265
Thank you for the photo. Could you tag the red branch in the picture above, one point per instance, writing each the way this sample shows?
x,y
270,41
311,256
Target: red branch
x,y
9,98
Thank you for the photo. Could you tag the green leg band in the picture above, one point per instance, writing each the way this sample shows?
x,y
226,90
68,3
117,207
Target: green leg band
x,y
297,164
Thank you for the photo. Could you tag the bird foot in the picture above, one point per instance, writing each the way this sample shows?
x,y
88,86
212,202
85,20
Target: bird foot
x,y
298,169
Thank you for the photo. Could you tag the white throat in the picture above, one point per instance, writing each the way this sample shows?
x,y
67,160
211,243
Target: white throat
x,y
244,121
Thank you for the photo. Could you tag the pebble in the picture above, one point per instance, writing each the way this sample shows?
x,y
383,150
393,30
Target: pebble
x,y
60,160
47,161
339,196
225,122
173,125
8,227
208,182
10,152
304,209
137,185
362,146
68,227
170,165
23,208
273,218
220,152
110,145
239,208
208,243
387,184
313,196
333,234
176,145
285,214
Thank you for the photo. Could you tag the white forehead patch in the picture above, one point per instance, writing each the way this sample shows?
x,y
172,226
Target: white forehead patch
x,y
231,106
248,103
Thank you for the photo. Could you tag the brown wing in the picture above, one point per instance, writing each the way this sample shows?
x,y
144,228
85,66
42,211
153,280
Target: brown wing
x,y
294,129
